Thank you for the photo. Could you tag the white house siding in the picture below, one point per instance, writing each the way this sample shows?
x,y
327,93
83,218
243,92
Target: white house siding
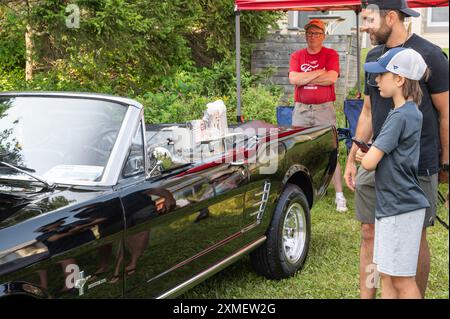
x,y
435,34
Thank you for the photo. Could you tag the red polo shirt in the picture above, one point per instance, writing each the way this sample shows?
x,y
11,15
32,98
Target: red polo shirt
x,y
302,61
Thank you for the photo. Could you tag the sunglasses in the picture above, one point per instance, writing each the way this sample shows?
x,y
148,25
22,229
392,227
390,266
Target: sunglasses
x,y
314,34
371,82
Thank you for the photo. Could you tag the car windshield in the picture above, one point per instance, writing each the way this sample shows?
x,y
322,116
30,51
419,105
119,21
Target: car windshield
x,y
60,139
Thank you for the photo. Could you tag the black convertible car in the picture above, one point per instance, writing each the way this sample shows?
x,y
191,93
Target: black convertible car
x,y
94,203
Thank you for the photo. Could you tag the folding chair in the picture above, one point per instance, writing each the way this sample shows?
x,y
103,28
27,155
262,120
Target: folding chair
x,y
442,200
284,116
352,110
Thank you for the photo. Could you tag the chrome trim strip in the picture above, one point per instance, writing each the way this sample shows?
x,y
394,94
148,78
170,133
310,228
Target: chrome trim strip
x,y
120,150
210,271
262,203
251,226
265,199
258,203
146,157
200,254
79,95
20,246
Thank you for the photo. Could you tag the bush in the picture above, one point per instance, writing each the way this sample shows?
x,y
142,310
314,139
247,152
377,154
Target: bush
x,y
184,97
126,47
258,103
180,98
151,53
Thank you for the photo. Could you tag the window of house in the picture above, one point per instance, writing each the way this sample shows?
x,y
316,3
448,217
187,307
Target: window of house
x,y
437,17
298,19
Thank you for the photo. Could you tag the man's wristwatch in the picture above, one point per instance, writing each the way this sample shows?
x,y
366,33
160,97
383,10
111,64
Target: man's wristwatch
x,y
444,167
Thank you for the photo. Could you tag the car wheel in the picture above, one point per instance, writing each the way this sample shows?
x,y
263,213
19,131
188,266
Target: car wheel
x,y
286,248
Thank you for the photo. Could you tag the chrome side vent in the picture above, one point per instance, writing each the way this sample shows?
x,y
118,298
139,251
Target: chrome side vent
x,y
262,204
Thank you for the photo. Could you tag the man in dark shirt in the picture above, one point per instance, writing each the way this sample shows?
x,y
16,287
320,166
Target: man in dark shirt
x,y
384,22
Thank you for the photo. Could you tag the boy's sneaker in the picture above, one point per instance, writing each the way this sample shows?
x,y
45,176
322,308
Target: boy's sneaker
x,y
341,204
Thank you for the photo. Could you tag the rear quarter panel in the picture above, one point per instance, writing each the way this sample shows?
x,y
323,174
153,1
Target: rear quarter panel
x,y
312,153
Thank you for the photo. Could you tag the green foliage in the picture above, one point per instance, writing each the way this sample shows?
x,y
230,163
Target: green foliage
x,y
12,45
121,47
184,97
260,103
126,45
174,56
213,36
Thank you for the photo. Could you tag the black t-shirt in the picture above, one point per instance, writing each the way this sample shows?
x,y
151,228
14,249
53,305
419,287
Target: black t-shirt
x,y
437,83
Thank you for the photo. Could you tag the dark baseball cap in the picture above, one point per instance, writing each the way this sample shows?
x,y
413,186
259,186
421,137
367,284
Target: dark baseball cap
x,y
399,5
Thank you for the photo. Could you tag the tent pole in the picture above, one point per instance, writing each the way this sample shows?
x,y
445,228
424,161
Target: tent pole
x,y
358,55
238,65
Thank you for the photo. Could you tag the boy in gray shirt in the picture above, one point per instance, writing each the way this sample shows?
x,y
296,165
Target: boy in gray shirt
x,y
401,203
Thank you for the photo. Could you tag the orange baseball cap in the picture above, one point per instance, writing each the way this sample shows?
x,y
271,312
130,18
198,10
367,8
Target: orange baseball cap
x,y
315,23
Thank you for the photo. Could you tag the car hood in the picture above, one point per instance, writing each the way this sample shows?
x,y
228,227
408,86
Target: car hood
x,y
28,219
16,207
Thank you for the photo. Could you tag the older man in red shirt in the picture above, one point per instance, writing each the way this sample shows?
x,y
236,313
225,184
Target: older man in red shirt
x,y
314,71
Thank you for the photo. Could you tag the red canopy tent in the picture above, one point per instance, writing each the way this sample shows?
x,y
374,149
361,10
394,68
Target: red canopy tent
x,y
427,3
321,5
306,5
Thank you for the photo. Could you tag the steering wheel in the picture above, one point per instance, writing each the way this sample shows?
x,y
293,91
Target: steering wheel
x,y
103,145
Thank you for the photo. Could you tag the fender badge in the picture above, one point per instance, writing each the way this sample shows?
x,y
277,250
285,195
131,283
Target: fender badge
x,y
80,282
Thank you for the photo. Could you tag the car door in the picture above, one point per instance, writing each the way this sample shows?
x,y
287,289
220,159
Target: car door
x,y
264,164
179,224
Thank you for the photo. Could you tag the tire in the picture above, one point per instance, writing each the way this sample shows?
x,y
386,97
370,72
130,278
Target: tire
x,y
273,259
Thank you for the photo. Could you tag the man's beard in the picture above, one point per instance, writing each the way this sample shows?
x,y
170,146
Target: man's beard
x,y
381,36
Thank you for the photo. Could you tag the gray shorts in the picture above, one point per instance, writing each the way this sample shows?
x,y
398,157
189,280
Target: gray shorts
x,y
365,198
397,243
305,115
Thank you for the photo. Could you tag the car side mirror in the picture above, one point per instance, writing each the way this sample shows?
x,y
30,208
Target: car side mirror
x,y
160,160
162,155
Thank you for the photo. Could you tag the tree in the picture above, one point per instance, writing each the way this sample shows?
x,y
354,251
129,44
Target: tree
x,y
213,37
122,47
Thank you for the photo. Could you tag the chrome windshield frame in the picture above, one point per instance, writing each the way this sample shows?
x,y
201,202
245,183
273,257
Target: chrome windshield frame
x,y
134,114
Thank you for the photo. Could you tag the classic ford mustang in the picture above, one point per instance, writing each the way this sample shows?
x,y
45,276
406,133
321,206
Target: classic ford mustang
x,y
94,203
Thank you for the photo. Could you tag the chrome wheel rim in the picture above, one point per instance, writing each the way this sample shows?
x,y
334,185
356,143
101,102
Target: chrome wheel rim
x,y
294,233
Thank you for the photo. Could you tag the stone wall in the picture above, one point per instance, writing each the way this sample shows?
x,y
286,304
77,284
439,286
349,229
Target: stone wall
x,y
275,51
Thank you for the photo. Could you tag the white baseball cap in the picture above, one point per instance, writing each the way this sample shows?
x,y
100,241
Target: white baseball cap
x,y
402,61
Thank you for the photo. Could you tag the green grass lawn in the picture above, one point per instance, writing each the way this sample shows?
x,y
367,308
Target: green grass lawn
x,y
331,270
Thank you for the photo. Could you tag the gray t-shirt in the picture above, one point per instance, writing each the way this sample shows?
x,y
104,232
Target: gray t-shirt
x,y
396,177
